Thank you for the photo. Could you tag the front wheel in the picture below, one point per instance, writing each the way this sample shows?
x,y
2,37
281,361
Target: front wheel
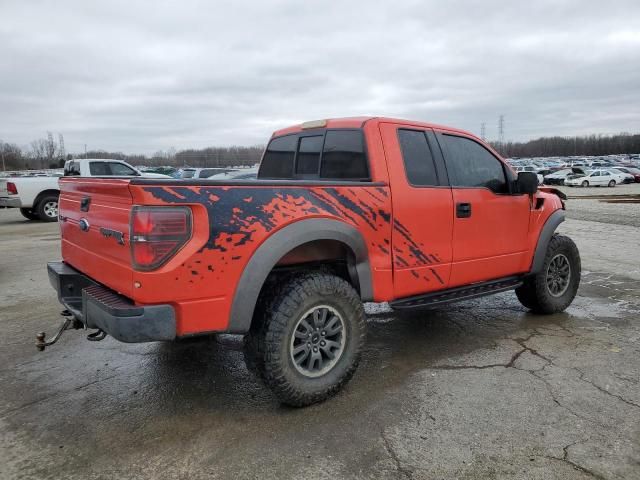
x,y
306,343
612,183
553,288
29,214
47,208
585,184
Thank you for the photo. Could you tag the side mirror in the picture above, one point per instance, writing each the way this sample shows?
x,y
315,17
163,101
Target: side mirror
x,y
527,182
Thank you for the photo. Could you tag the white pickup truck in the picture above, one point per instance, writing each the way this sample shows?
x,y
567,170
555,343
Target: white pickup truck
x,y
37,197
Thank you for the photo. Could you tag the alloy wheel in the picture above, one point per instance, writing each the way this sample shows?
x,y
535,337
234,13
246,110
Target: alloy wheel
x,y
318,341
558,275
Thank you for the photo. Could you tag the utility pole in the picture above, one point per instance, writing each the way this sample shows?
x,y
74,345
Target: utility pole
x,y
483,131
85,151
501,128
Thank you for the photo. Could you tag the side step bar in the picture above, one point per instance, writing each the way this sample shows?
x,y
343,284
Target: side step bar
x,y
456,294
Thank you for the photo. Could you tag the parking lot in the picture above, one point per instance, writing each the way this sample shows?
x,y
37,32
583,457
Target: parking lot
x,y
480,389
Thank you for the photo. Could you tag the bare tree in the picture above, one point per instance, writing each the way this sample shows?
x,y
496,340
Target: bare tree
x,y
61,152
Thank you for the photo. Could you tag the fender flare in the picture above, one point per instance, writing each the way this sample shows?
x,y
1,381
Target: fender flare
x,y
548,229
279,244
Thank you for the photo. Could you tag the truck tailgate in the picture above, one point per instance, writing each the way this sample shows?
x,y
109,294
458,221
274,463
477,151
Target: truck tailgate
x,y
94,223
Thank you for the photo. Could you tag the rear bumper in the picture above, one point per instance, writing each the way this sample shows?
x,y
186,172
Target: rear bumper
x,y
99,307
9,202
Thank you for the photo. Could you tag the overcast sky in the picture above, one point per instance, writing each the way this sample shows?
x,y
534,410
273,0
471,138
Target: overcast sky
x,y
143,76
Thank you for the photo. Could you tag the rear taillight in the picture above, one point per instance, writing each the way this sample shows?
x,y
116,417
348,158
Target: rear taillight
x,y
157,233
11,188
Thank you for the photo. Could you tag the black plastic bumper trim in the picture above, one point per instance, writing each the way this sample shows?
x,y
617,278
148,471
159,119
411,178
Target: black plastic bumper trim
x,y
99,307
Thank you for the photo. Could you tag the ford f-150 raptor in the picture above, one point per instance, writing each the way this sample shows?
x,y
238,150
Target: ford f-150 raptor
x,y
343,211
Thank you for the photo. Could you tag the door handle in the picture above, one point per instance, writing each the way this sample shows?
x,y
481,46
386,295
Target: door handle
x,y
85,203
463,210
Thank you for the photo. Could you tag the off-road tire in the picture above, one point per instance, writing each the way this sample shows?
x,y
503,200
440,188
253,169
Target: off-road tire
x,y
268,343
42,209
29,214
535,293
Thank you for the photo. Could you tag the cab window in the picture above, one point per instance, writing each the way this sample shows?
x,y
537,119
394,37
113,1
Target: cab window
x,y
469,164
99,169
121,170
417,157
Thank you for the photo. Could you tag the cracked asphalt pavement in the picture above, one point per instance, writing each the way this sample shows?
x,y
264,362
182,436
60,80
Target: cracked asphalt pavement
x,y
480,389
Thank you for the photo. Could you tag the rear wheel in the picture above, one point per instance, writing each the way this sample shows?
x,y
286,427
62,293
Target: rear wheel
x,y
585,184
612,183
555,286
28,214
48,208
306,343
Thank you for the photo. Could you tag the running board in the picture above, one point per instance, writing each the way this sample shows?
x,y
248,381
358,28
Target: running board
x,y
456,294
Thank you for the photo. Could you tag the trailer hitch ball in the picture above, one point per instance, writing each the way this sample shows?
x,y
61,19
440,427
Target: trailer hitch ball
x,y
41,341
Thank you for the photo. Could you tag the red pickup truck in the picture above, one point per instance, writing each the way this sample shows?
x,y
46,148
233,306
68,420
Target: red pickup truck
x,y
343,211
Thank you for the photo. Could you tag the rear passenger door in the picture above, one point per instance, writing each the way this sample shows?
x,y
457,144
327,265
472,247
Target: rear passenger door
x,y
422,210
491,225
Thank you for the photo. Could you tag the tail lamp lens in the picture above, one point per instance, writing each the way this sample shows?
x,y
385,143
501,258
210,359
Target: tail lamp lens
x,y
157,233
11,188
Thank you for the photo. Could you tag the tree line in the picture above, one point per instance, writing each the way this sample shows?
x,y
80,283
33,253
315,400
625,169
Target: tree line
x,y
49,152
589,145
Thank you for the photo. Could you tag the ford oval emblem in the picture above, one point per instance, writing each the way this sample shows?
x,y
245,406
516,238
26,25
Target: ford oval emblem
x,y
83,224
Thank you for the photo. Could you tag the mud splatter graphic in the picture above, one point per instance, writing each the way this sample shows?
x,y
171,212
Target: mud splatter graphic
x,y
242,215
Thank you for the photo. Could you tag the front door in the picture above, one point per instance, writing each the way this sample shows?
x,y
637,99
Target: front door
x,y
422,210
491,224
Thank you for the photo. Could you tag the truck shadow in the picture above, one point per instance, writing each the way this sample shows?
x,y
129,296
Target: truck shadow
x,y
210,371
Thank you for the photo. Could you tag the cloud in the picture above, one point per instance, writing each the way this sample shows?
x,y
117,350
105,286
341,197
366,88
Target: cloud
x,y
139,77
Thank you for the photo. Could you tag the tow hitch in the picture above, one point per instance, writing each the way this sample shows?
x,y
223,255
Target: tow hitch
x,y
69,322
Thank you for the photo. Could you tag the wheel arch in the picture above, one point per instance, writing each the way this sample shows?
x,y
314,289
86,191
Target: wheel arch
x,y
42,195
548,229
281,243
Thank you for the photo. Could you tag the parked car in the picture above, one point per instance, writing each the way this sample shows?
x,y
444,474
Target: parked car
x,y
596,178
169,171
36,197
342,212
202,172
633,172
240,174
532,169
557,178
104,167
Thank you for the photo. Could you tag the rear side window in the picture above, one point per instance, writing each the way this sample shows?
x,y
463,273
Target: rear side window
x,y
343,156
72,169
417,157
308,161
469,164
277,161
99,169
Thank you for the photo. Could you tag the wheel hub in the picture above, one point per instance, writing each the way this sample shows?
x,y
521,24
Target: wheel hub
x,y
318,341
51,209
558,275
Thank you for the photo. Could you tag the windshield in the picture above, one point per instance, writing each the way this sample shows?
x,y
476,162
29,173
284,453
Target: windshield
x,y
188,173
